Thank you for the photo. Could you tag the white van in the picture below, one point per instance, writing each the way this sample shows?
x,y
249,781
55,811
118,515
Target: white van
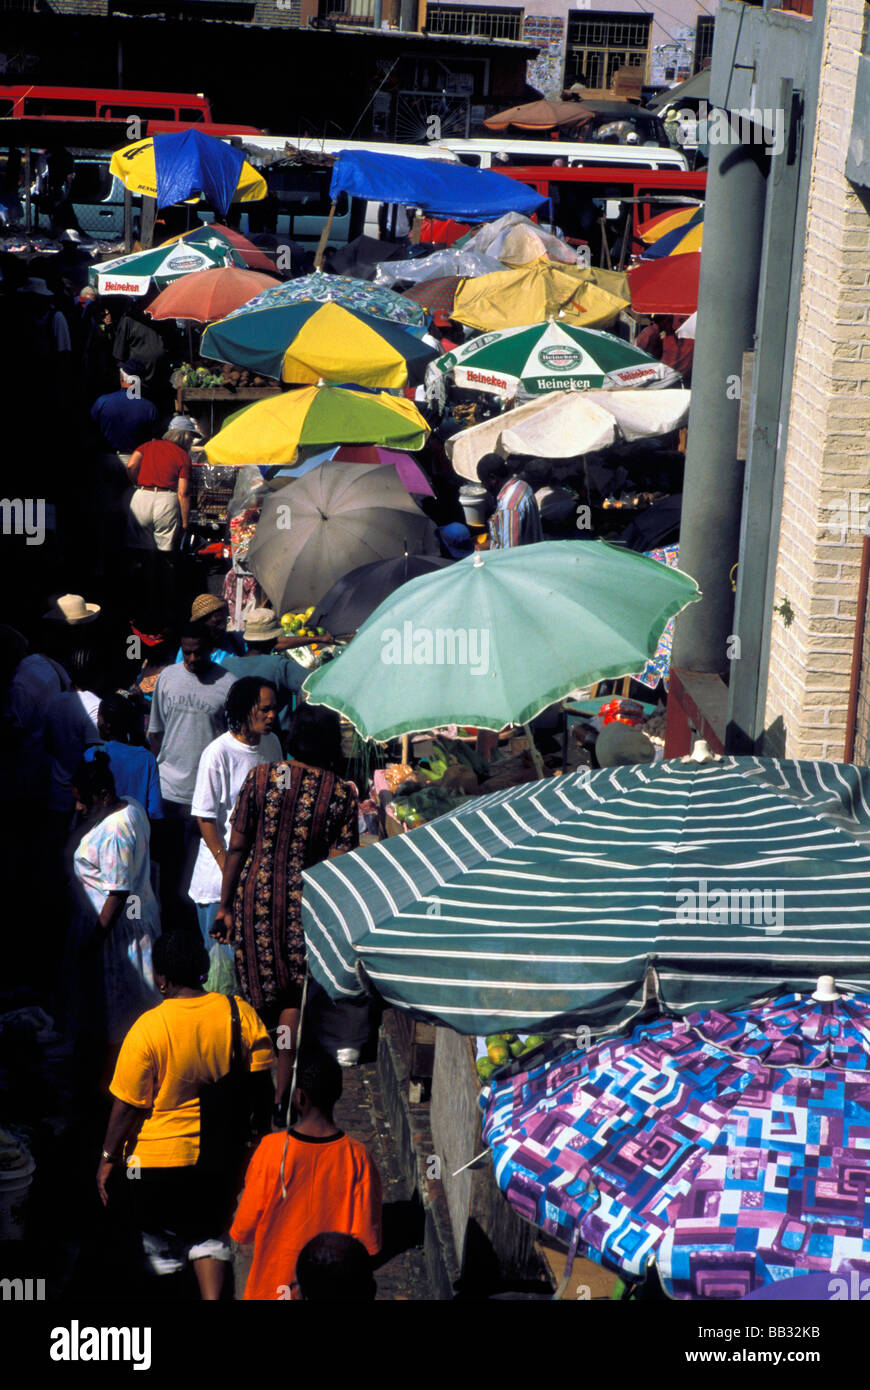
x,y
482,154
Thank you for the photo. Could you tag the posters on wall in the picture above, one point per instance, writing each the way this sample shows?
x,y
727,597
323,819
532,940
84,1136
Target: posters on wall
x,y
546,72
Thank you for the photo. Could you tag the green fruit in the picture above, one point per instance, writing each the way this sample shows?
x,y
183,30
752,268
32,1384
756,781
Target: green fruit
x,y
485,1068
498,1053
517,1049
495,1038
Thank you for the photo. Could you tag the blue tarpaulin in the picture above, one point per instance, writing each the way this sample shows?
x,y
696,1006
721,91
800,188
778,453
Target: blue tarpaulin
x,y
446,190
192,162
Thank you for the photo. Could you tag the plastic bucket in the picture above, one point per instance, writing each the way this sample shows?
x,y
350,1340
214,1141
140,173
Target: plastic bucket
x,y
471,500
14,1195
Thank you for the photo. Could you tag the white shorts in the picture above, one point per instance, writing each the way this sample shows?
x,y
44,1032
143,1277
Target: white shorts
x,y
167,1254
154,520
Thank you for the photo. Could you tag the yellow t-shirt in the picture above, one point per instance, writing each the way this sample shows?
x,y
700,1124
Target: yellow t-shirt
x,y
167,1055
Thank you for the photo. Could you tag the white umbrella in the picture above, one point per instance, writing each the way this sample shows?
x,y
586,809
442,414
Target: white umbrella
x,y
565,424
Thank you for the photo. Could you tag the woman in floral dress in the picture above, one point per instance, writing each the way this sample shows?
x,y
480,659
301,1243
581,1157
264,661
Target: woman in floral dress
x,y
288,816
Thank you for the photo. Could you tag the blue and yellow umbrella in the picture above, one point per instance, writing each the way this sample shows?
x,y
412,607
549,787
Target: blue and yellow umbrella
x,y
172,167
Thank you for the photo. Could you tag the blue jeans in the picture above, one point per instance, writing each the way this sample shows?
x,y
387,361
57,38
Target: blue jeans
x,y
205,916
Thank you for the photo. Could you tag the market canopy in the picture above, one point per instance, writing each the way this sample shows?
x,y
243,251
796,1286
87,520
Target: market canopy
x,y
172,167
573,899
439,188
541,290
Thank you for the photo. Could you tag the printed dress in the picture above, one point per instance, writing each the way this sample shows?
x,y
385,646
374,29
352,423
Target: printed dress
x,y
293,815
114,857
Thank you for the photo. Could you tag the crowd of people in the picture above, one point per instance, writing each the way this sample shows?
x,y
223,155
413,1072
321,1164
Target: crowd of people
x,y
166,785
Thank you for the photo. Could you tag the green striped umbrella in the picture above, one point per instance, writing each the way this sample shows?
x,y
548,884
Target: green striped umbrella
x,y
551,356
496,638
568,900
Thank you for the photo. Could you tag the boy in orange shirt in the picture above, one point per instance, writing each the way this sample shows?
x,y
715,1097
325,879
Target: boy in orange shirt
x,y
331,1184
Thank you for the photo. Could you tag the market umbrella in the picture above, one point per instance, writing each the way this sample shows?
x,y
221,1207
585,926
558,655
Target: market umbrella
x,y
545,357
679,242
541,290
158,267
539,115
658,668
413,478
485,655
582,421
211,294
354,597
577,899
251,255
335,518
270,431
667,286
436,295
655,227
739,1153
171,167
309,342
359,295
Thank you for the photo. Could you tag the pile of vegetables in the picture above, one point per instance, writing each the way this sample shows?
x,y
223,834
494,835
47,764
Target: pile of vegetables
x,y
501,1048
296,625
198,377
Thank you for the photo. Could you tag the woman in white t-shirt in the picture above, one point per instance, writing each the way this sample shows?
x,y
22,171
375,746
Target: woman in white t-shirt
x,y
252,714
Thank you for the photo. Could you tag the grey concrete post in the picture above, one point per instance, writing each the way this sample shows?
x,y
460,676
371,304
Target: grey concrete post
x,y
728,294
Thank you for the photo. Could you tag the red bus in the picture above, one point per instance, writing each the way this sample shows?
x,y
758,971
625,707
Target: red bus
x,y
157,112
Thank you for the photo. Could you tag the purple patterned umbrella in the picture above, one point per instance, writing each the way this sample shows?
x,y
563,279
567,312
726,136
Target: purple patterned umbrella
x,y
731,1148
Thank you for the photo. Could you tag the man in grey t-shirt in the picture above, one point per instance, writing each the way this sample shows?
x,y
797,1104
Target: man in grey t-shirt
x,y
187,714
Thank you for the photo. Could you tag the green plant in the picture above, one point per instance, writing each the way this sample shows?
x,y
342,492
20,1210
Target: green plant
x,y
785,611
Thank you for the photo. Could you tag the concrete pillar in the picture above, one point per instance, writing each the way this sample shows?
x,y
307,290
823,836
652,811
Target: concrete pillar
x,y
712,495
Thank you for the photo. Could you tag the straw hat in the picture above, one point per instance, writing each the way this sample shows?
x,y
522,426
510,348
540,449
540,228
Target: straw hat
x,y
72,609
204,604
262,626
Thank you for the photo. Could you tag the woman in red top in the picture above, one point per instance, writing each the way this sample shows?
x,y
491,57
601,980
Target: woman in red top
x,y
160,506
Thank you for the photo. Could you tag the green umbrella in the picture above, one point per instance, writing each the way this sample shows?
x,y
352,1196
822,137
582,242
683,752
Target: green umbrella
x,y
551,356
135,275
499,636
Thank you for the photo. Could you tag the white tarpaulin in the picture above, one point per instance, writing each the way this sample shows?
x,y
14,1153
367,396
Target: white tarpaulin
x,y
516,240
466,264
564,425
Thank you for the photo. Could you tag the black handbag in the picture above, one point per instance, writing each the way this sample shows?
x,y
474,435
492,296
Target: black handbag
x,y
225,1109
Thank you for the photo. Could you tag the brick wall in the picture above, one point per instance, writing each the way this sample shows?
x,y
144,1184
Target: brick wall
x,y
827,472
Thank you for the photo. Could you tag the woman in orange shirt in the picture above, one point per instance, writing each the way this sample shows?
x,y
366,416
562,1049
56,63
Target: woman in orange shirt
x,y
184,1196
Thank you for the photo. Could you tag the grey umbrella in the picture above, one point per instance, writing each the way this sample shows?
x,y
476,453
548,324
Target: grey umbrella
x,y
332,520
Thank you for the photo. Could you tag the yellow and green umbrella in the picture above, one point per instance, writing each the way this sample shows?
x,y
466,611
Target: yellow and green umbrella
x,y
307,342
271,431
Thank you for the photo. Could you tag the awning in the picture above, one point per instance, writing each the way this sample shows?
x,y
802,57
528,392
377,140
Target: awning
x,y
445,190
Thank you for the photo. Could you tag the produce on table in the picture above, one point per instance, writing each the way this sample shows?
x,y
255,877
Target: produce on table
x,y
296,625
498,1053
485,1068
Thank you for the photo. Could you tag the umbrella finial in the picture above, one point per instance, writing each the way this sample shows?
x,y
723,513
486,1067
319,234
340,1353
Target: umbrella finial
x,y
824,992
701,753
477,562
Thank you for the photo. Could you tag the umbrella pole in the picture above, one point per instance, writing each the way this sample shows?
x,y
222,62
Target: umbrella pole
x,y
324,238
406,747
535,756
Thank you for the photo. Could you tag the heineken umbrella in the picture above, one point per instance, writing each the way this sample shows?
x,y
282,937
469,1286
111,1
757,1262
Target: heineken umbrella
x,y
136,274
702,885
739,1157
309,342
544,357
270,431
474,644
358,295
335,518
